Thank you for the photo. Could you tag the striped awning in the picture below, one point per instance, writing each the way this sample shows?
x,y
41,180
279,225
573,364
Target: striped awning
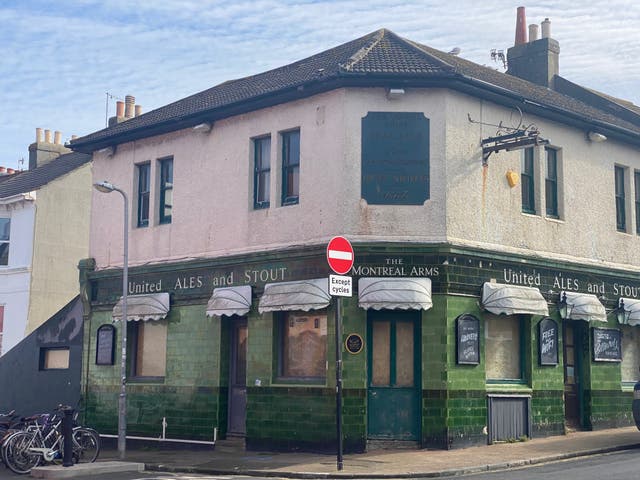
x,y
229,301
584,306
300,295
391,293
151,306
505,299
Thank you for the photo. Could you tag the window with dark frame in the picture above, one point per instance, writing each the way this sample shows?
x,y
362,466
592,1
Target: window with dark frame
x,y
5,233
527,182
144,190
147,349
290,167
621,217
302,340
166,190
54,358
637,196
551,182
261,172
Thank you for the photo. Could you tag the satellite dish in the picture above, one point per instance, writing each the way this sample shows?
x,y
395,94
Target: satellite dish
x,y
455,51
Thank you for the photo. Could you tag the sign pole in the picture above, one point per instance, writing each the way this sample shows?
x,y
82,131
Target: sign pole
x,y
339,380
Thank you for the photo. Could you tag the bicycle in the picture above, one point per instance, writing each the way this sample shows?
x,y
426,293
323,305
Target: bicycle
x,y
43,441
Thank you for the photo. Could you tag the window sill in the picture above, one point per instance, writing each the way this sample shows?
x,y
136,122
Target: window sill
x,y
506,387
293,382
145,380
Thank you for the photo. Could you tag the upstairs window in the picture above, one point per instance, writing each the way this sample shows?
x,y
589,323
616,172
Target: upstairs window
x,y
144,188
261,172
551,182
290,167
5,230
527,179
166,190
621,216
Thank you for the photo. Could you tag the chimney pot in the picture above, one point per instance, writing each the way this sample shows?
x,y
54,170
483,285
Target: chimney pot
x,y
129,101
120,108
138,110
57,137
533,32
47,136
546,28
521,27
38,135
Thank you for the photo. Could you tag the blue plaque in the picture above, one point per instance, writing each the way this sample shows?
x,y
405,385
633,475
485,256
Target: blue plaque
x,y
395,158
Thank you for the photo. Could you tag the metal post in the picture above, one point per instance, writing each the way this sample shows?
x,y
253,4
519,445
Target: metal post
x,y
67,432
122,401
339,380
106,187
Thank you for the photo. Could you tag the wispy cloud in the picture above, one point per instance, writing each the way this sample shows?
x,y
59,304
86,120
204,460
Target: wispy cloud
x,y
58,59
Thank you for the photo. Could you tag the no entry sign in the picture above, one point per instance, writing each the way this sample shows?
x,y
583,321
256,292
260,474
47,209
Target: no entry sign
x,y
340,255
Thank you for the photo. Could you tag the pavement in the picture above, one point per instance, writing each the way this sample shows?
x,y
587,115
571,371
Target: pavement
x,y
230,457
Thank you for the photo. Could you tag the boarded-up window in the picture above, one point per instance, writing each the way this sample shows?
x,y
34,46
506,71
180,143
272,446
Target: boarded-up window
x,y
304,345
502,347
630,353
149,348
54,358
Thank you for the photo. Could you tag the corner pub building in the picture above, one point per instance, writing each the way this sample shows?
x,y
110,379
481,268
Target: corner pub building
x,y
494,219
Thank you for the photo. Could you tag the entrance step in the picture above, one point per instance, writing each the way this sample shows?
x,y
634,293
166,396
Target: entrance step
x,y
392,445
231,444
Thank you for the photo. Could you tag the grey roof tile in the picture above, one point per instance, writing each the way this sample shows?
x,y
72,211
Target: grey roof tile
x,y
374,57
30,180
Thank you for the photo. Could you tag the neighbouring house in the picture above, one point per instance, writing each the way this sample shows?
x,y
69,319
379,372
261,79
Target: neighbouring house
x,y
44,232
496,229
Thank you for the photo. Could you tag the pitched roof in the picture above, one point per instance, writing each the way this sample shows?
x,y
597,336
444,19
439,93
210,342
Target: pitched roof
x,y
30,180
380,58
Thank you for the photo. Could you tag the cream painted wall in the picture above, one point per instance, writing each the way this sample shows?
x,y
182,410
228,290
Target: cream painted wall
x,y
61,239
15,277
469,205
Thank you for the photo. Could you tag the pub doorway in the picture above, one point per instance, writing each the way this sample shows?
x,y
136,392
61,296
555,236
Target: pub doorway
x,y
236,424
572,341
394,375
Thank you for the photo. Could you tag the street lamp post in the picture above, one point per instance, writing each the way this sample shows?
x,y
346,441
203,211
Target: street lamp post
x,y
106,187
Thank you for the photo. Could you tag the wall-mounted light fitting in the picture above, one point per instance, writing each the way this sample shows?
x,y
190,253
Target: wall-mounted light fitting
x,y
393,93
202,127
563,307
108,151
596,137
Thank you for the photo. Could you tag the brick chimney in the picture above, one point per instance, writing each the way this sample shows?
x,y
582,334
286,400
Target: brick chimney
x,y
536,60
44,150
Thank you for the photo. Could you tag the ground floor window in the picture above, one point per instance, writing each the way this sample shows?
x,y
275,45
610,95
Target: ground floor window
x,y
54,358
302,339
630,354
503,347
147,344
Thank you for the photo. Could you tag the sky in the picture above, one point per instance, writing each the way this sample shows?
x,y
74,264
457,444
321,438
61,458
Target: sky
x,y
64,63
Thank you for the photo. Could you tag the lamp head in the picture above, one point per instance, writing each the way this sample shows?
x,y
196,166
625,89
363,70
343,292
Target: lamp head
x,y
562,305
104,187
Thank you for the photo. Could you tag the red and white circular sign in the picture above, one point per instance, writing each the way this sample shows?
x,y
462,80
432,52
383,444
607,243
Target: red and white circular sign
x,y
340,255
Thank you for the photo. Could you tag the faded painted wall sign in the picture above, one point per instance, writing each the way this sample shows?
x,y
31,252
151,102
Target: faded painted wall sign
x,y
395,158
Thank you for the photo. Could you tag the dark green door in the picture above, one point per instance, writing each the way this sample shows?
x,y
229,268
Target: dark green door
x,y
393,396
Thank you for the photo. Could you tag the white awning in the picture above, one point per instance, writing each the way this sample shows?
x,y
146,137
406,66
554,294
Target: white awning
x,y
499,298
229,301
404,293
584,306
631,309
152,306
301,295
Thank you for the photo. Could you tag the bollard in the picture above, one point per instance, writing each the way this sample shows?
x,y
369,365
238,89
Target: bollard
x,y
67,431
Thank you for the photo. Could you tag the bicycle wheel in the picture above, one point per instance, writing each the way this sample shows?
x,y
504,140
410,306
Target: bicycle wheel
x,y
86,445
17,455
